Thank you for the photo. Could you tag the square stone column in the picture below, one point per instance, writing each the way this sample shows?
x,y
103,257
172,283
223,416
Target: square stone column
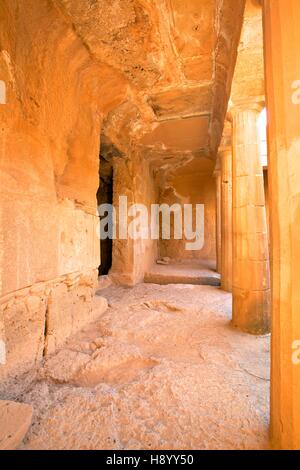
x,y
282,67
225,156
251,284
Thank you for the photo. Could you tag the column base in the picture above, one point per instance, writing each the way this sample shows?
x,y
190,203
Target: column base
x,y
251,311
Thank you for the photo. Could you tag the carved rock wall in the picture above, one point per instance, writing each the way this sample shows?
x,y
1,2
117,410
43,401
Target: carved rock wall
x,y
49,148
74,71
38,319
192,183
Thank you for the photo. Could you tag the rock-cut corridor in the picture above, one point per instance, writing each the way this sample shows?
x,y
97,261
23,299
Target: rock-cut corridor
x,y
162,368
149,224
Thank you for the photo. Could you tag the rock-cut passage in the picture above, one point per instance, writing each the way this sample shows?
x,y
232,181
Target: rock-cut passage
x,y
162,368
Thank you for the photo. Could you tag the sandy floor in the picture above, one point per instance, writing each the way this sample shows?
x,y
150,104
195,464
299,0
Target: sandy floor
x,y
161,369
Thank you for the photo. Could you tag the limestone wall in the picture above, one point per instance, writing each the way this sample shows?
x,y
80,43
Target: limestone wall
x,y
37,319
72,71
49,157
194,184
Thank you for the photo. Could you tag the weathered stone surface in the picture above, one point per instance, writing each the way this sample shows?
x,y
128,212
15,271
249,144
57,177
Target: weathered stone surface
x,y
134,178
62,367
180,102
282,69
36,323
250,254
171,374
24,325
15,419
181,57
122,70
68,311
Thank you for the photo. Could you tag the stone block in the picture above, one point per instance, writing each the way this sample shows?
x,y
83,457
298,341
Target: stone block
x,y
15,419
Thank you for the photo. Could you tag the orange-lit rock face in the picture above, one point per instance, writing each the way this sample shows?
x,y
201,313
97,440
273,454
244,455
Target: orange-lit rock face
x,y
153,79
50,138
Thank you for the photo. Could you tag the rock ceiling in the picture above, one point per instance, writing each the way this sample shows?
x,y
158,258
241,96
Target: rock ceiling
x,y
167,70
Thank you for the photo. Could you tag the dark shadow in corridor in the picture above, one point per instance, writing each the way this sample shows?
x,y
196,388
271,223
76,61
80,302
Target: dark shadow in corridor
x,y
105,196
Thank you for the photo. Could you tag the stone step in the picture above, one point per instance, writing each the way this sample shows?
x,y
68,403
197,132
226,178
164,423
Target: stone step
x,y
165,279
182,274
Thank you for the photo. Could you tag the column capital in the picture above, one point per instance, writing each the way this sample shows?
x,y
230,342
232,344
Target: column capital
x,y
224,150
256,104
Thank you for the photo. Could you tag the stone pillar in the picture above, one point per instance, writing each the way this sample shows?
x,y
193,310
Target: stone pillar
x,y
250,277
217,176
226,218
122,270
282,65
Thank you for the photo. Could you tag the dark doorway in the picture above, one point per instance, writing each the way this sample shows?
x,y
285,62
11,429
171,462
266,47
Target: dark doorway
x,y
105,196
